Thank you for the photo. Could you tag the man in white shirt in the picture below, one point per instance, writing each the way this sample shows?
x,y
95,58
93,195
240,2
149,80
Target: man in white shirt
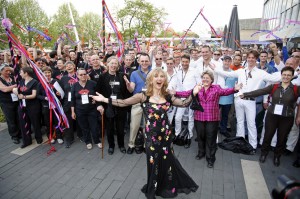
x,y
159,62
251,78
195,59
185,79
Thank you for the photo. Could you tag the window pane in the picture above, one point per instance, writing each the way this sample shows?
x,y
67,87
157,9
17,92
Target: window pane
x,y
294,13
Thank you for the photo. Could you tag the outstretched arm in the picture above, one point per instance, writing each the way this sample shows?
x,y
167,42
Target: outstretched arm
x,y
181,103
137,98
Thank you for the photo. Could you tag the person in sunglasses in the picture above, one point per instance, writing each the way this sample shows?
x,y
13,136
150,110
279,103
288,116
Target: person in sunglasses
x,y
159,63
84,109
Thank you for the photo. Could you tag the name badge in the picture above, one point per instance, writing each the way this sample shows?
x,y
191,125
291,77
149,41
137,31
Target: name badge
x,y
96,76
114,83
113,97
69,96
84,99
278,109
144,89
14,97
23,102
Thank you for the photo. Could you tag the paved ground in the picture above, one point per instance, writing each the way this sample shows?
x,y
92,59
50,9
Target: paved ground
x,y
81,173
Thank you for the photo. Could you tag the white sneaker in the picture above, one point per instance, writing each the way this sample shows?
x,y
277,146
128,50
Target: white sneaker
x,y
100,145
52,141
89,146
60,141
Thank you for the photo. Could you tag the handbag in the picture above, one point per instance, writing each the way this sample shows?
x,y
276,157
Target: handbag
x,y
196,106
182,138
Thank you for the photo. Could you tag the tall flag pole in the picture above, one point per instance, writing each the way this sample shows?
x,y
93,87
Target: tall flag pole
x,y
103,25
73,22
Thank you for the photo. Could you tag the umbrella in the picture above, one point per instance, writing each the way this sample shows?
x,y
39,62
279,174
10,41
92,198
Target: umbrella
x,y
233,32
224,34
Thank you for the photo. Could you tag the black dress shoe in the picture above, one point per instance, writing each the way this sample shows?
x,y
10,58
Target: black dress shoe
x,y
276,161
199,157
262,158
24,145
39,141
130,150
188,144
16,140
111,151
210,165
287,152
123,150
296,163
139,150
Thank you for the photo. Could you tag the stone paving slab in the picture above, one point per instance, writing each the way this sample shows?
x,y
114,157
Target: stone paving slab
x,y
81,173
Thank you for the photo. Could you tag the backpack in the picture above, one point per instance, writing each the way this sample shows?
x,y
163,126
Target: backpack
x,y
275,86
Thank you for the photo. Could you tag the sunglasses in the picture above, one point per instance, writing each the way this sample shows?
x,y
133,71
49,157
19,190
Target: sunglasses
x,y
158,59
169,63
101,57
82,74
95,48
217,54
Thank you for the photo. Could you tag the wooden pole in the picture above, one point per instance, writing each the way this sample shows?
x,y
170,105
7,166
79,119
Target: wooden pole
x,y
102,138
103,26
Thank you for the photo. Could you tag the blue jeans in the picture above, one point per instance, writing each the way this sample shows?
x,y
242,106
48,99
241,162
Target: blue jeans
x,y
224,117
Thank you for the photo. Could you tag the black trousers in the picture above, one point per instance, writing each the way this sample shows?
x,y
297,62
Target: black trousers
x,y
10,111
46,117
30,115
118,120
207,135
87,120
283,125
69,132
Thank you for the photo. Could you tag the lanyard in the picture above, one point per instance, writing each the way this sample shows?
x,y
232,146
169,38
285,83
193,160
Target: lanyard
x,y
73,78
183,77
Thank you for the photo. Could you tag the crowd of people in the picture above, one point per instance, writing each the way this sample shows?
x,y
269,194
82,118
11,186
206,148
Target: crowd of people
x,y
157,84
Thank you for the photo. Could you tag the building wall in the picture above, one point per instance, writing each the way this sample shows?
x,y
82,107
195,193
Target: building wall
x,y
246,35
281,11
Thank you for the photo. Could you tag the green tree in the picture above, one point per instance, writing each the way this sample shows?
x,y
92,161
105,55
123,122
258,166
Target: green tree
x,y
60,20
90,25
141,16
25,13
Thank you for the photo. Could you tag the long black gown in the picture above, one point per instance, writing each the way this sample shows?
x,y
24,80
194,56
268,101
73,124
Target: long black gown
x,y
166,177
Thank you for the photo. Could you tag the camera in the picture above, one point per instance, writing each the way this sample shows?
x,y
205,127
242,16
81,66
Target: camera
x,y
287,188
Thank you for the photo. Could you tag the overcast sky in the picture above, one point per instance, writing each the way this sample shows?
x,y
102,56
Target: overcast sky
x,y
180,13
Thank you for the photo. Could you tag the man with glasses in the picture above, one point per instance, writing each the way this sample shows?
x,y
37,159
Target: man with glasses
x,y
251,78
137,84
158,62
217,56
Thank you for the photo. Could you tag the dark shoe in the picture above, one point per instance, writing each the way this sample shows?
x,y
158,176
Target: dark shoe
x,y
253,152
262,158
199,157
188,144
39,141
259,146
196,139
210,165
130,150
296,163
287,152
24,145
276,161
68,144
111,151
226,134
139,150
123,150
15,140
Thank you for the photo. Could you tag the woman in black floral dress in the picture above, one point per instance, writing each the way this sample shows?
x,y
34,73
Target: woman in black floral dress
x,y
166,177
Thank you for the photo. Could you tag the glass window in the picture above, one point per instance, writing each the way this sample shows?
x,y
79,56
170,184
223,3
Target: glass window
x,y
282,19
295,2
294,13
288,15
283,6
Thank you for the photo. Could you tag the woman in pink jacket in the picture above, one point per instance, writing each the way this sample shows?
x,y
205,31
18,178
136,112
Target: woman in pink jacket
x,y
207,122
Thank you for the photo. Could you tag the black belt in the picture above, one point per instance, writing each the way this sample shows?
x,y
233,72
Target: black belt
x,y
249,98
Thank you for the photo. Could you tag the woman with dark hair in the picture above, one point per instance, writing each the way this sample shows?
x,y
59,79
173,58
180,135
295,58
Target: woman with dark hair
x,y
166,177
45,105
280,114
112,85
9,102
30,109
84,109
